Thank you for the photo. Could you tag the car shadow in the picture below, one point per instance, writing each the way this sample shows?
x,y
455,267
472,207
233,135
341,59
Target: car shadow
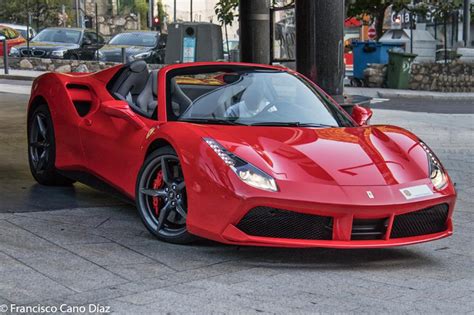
x,y
320,258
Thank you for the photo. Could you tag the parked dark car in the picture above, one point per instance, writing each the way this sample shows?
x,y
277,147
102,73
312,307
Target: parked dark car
x,y
139,45
62,43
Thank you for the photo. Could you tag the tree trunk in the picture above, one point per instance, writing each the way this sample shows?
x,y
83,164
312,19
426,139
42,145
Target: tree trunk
x,y
379,18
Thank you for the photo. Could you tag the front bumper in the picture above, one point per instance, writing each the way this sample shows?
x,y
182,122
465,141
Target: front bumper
x,y
345,220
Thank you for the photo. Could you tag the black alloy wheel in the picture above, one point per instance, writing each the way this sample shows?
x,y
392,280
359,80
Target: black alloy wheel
x,y
42,148
161,197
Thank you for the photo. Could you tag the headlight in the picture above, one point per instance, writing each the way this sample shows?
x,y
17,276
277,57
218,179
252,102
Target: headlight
x,y
141,55
58,53
245,171
14,52
437,174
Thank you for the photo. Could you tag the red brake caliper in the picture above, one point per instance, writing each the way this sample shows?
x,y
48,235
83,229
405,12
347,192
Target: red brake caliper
x,y
157,184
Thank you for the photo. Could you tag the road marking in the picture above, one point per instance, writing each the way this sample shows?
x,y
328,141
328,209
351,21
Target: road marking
x,y
379,100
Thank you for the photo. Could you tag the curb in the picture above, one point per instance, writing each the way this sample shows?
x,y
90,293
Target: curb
x,y
439,97
16,77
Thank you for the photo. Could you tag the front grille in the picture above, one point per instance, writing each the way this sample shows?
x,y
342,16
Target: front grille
x,y
272,222
369,229
426,221
32,52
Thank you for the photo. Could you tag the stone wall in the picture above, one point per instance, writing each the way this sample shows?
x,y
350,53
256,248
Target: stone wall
x,y
109,26
59,65
452,77
375,75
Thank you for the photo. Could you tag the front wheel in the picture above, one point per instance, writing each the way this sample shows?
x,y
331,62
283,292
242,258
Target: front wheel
x,y
161,197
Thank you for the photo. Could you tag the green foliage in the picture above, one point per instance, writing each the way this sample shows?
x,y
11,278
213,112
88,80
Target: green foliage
x,y
43,12
225,11
375,9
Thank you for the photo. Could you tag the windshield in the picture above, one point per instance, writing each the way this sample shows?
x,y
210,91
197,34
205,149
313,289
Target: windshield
x,y
254,97
58,36
135,39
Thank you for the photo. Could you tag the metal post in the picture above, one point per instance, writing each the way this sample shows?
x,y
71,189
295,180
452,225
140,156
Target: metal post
x,y
320,43
97,29
78,19
5,55
124,55
411,32
191,10
174,11
466,35
150,14
255,31
28,22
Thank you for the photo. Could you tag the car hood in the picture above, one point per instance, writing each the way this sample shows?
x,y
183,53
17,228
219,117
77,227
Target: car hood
x,y
358,156
50,46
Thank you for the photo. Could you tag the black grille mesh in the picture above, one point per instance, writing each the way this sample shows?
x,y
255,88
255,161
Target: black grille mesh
x,y
426,221
271,222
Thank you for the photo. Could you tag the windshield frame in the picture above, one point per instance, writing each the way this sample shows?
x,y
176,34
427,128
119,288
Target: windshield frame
x,y
336,111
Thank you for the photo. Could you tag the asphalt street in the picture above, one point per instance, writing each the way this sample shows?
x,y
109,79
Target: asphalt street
x,y
79,246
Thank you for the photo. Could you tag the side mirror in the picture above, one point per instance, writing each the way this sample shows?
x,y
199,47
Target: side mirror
x,y
361,115
86,42
121,109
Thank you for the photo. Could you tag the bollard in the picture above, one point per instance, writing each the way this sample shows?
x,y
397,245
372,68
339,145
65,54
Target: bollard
x,y
124,55
5,54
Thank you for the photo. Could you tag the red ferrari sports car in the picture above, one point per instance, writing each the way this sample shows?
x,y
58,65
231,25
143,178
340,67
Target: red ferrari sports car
x,y
238,153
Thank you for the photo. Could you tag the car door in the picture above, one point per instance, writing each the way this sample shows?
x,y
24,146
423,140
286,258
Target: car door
x,y
111,138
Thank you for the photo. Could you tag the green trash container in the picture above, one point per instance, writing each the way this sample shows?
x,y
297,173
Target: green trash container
x,y
399,69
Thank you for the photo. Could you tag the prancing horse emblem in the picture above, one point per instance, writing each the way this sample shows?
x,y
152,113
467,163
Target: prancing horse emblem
x,y
370,194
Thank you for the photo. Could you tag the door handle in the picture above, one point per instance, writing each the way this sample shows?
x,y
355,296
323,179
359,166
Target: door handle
x,y
88,122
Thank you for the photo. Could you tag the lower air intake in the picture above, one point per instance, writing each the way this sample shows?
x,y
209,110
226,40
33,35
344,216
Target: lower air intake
x,y
272,222
426,221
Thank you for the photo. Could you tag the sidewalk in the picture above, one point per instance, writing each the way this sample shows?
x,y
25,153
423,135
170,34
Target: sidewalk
x,y
24,75
392,93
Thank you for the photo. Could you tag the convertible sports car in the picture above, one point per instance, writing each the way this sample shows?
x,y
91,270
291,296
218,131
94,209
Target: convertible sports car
x,y
238,153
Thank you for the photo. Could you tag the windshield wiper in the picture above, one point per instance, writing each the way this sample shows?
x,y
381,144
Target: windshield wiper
x,y
212,121
291,124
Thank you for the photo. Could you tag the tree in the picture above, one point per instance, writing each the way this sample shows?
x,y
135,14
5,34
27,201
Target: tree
x,y
43,13
225,11
374,9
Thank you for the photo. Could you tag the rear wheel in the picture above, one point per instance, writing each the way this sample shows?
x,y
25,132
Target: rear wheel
x,y
161,197
42,149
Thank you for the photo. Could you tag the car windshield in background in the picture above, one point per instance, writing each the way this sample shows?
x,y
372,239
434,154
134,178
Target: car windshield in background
x,y
254,97
58,36
135,39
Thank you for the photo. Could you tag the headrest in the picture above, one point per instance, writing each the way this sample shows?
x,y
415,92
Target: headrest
x,y
137,66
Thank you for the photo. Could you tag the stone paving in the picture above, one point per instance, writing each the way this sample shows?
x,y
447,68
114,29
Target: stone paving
x,y
104,256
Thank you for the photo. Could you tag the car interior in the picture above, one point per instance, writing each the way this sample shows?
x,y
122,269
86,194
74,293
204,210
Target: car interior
x,y
138,86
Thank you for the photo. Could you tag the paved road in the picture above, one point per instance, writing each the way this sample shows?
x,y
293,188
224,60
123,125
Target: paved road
x,y
427,106
18,191
93,249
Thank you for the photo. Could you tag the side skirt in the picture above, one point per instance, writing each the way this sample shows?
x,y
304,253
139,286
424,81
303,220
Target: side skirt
x,y
97,183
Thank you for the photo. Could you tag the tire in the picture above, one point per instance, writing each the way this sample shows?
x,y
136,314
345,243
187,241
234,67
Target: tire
x,y
42,149
161,197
